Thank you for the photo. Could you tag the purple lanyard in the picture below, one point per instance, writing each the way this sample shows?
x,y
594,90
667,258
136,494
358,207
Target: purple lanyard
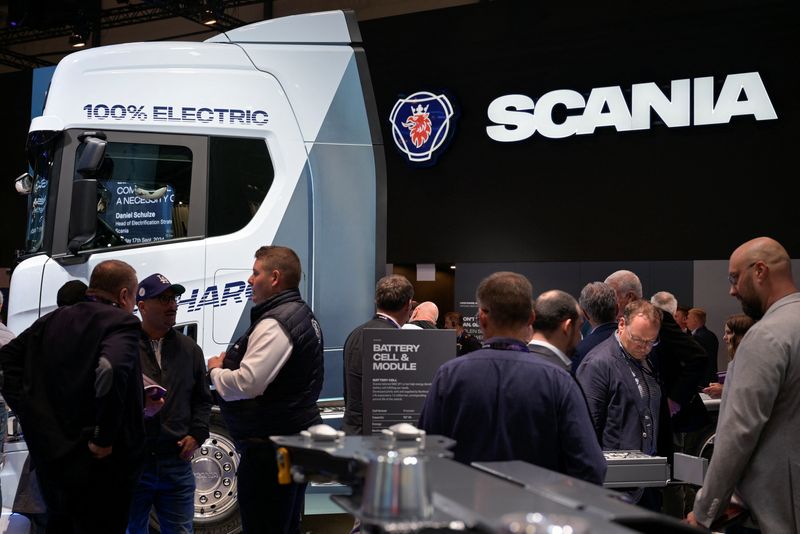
x,y
517,346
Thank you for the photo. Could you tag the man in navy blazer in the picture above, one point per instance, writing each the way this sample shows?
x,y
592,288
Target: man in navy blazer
x,y
620,383
599,304
680,362
503,403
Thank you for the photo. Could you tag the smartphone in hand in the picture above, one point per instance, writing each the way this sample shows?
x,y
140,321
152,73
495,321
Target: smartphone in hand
x,y
155,391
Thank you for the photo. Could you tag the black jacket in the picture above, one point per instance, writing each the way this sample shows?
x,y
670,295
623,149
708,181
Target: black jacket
x,y
681,364
466,343
187,404
708,340
50,381
353,371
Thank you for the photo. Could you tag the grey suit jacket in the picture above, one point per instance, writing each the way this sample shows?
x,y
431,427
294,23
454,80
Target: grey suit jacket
x,y
757,447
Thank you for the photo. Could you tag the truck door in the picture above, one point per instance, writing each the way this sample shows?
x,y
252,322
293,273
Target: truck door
x,y
151,204
259,194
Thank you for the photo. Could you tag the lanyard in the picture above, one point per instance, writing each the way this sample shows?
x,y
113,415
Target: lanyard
x,y
517,346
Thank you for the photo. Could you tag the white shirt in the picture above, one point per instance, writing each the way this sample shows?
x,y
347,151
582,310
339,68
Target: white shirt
x,y
268,349
556,350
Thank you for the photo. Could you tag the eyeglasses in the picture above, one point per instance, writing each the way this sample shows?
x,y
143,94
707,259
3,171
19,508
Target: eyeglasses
x,y
733,279
167,299
640,341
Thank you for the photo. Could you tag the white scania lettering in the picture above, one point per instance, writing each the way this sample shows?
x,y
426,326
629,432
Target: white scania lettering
x,y
691,102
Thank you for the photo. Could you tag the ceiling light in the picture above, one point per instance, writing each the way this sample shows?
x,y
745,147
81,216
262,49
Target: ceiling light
x,y
77,40
208,18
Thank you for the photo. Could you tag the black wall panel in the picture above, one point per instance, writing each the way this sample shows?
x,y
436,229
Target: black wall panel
x,y
659,194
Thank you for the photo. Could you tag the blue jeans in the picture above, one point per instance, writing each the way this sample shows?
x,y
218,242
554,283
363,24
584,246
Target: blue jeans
x,y
167,484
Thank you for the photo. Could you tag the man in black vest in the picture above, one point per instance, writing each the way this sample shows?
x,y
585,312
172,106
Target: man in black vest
x,y
269,381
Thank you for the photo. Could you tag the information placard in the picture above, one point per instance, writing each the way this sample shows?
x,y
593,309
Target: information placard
x,y
138,215
398,370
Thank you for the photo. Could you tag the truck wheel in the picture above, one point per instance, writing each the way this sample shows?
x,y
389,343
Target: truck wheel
x,y
216,510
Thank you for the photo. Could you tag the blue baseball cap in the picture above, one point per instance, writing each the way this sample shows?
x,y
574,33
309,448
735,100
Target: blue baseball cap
x,y
154,285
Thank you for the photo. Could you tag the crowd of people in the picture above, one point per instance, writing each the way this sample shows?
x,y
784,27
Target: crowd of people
x,y
536,391
114,407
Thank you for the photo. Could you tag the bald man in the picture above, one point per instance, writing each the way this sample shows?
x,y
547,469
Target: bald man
x,y
424,316
755,451
556,328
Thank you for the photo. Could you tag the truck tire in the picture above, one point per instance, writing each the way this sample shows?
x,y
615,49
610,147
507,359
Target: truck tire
x,y
216,510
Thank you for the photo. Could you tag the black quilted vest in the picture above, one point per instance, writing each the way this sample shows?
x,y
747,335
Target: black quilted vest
x,y
289,404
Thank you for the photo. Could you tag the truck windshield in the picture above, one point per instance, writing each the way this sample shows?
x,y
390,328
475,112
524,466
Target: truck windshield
x,y
42,146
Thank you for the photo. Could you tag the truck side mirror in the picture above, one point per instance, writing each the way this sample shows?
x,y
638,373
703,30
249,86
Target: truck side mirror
x,y
83,214
94,151
83,209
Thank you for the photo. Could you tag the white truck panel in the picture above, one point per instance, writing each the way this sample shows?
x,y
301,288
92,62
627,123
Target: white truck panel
x,y
324,27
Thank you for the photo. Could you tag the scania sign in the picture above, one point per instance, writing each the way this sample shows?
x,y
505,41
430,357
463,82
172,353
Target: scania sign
x,y
690,103
421,125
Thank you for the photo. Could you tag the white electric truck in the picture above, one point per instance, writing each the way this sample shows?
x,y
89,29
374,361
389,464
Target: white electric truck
x,y
183,158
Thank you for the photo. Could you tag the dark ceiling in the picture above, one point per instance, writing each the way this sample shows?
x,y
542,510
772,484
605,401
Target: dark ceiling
x,y
29,21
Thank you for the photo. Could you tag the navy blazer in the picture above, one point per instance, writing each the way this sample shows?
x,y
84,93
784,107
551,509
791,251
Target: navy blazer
x,y
615,404
510,405
597,336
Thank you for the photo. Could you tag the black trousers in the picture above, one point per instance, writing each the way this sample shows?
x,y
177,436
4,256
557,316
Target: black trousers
x,y
265,505
85,495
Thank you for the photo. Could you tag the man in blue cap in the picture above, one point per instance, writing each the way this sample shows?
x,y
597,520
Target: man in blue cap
x,y
175,362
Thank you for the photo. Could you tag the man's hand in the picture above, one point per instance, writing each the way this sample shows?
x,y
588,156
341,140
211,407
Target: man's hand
x,y
188,445
692,521
714,390
152,406
99,452
216,361
674,407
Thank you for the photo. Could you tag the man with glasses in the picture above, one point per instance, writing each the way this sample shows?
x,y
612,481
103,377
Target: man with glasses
x,y
681,363
755,450
175,362
621,384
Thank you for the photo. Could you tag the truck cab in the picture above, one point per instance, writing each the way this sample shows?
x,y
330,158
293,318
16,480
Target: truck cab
x,y
184,158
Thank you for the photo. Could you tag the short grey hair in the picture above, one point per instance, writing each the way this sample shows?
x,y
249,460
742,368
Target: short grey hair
x,y
625,282
665,301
